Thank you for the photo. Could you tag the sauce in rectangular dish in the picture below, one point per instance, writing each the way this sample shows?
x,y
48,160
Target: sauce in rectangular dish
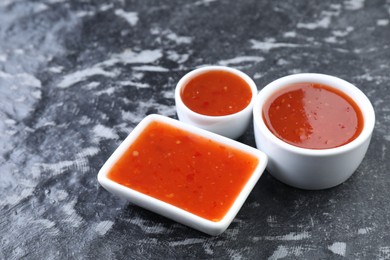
x,y
191,172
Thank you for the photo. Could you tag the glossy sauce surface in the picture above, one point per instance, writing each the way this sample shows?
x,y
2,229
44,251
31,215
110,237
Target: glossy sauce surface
x,y
216,93
186,170
312,115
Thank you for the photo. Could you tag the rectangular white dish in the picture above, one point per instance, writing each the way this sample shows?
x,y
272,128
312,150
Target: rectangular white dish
x,y
171,211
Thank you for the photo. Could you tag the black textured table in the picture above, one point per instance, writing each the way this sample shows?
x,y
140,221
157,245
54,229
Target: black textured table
x,y
77,76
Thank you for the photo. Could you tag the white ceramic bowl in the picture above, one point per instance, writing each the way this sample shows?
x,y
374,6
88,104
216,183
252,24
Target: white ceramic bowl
x,y
309,168
169,210
233,125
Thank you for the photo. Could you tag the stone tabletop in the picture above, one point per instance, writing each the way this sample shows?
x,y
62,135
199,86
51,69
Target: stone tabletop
x,y
77,76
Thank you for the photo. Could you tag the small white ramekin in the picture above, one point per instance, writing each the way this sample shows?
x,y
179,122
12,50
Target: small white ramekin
x,y
232,126
169,210
311,168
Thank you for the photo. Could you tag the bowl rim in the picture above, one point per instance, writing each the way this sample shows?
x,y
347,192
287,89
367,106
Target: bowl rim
x,y
203,69
169,210
354,93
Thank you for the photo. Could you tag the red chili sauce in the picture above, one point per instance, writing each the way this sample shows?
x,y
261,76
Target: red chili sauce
x,y
216,93
186,170
314,116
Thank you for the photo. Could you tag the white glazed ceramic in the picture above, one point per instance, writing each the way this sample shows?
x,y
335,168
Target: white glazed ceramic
x,y
232,126
309,168
168,210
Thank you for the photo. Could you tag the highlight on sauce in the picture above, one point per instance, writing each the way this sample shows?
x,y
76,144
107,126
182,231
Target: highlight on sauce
x,y
313,116
216,93
191,172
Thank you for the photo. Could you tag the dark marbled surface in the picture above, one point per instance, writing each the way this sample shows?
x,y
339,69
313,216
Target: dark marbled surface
x,y
77,76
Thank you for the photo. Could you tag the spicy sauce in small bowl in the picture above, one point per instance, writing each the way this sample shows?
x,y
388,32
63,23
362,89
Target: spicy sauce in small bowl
x,y
190,175
315,128
216,93
313,116
216,98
